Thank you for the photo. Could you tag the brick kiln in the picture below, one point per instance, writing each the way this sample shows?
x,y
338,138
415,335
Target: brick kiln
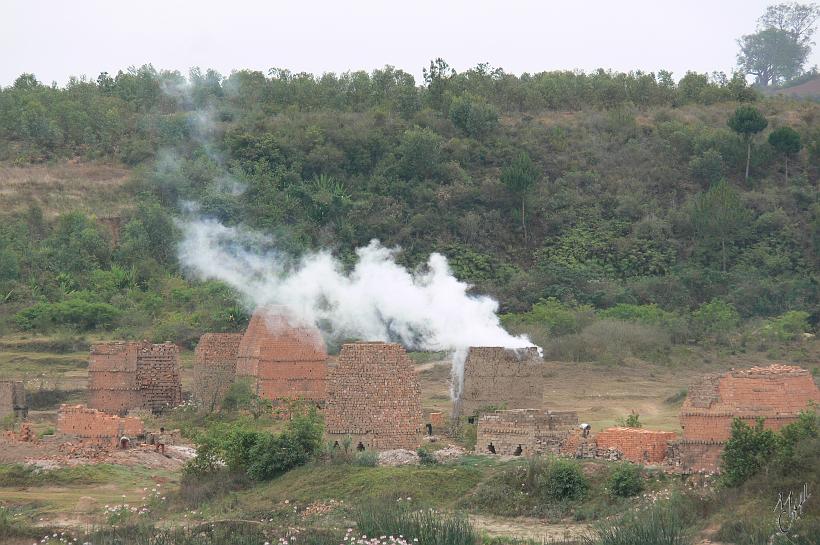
x,y
281,358
524,432
133,375
97,427
374,397
215,367
501,377
776,393
13,399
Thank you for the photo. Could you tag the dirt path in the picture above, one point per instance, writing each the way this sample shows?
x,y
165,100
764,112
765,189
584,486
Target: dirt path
x,y
529,528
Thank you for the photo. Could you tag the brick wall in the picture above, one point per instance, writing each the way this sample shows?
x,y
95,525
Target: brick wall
x,y
374,397
502,377
133,375
636,444
96,426
215,367
13,399
695,456
524,432
282,359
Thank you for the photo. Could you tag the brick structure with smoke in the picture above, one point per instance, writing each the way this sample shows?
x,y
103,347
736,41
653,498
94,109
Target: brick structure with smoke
x,y
96,426
524,432
374,397
501,377
637,445
133,375
282,359
776,393
215,367
13,399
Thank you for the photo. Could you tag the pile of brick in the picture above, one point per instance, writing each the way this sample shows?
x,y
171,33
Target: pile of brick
x,y
776,393
637,445
13,399
25,435
281,358
501,377
133,375
98,427
215,367
374,397
524,432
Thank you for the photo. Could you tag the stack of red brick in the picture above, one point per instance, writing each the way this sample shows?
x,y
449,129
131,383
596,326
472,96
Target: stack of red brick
x,y
281,358
374,397
636,444
95,426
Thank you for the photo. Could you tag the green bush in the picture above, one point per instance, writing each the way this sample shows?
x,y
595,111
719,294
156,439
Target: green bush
x,y
747,450
715,319
261,455
787,327
75,311
367,458
565,481
426,457
626,480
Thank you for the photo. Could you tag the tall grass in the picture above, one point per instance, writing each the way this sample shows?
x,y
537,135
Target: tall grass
x,y
391,517
220,533
661,524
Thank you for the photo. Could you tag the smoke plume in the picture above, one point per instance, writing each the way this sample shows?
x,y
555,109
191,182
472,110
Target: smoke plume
x,y
377,300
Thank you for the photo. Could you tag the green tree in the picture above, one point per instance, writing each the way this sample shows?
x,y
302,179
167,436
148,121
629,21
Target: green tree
x,y
747,450
772,56
716,318
779,49
747,121
719,216
519,176
787,141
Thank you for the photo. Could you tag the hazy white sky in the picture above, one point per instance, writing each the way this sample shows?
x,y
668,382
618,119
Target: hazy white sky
x,y
56,39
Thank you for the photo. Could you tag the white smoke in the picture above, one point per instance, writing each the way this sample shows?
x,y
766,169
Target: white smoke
x,y
377,300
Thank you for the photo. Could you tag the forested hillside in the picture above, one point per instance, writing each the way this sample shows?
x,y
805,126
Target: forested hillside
x,y
590,205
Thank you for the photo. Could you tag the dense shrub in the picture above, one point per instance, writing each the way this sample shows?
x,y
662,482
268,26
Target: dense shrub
x,y
259,454
626,480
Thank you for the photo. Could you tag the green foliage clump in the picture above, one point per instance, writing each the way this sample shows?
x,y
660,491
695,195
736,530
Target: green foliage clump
x,y
626,480
632,420
76,311
748,449
426,457
260,455
787,327
715,319
539,487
